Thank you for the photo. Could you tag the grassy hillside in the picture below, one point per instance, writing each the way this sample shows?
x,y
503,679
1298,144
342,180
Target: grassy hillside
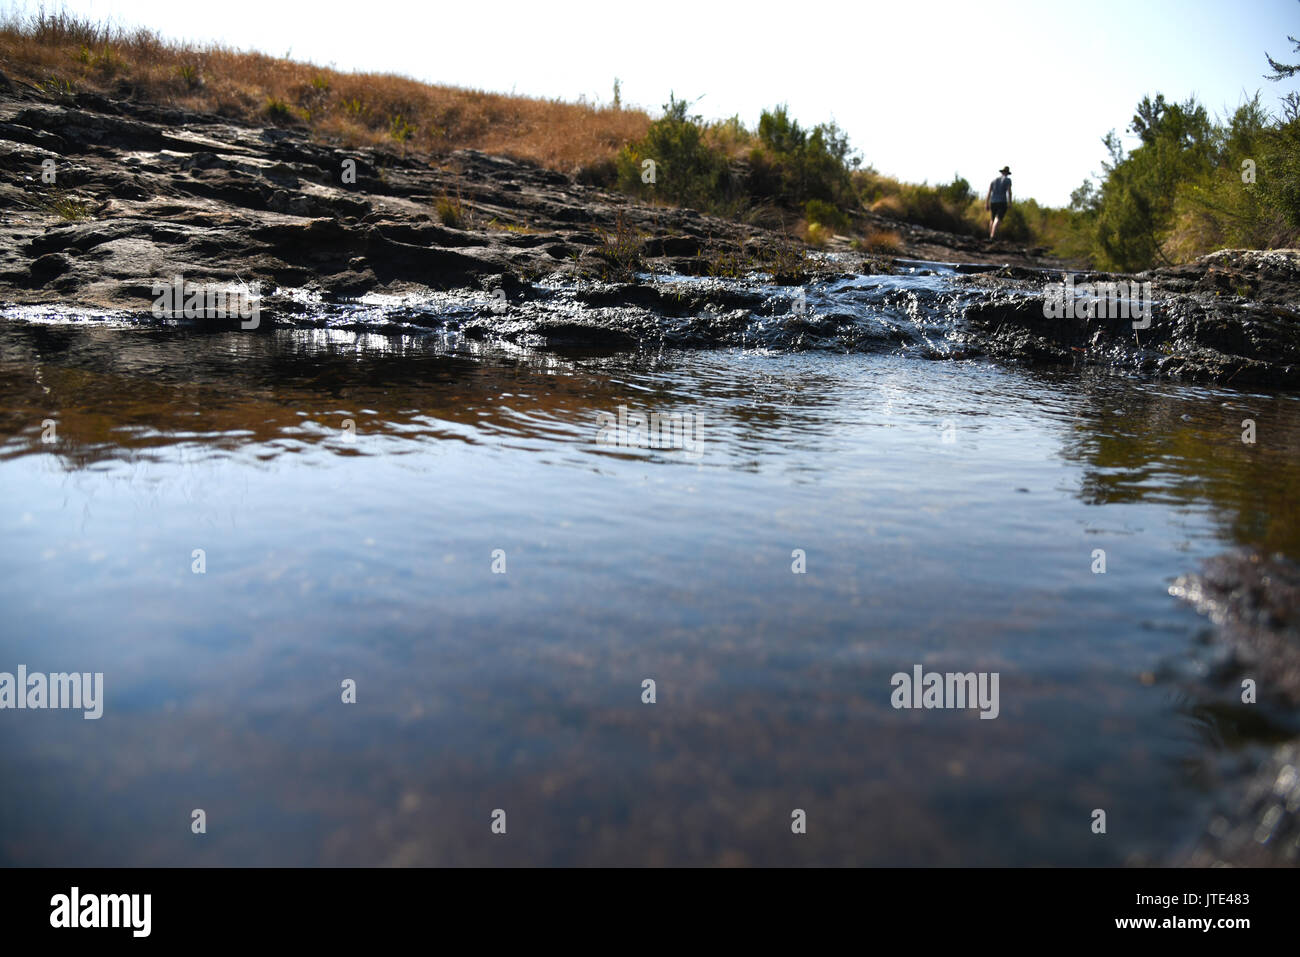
x,y
62,53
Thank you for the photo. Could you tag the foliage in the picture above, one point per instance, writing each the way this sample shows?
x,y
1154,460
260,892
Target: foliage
x,y
1192,185
451,211
673,161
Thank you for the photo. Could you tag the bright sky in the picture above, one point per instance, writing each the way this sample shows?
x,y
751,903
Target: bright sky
x,y
924,88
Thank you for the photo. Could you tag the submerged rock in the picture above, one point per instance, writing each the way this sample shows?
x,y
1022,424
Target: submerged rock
x,y
1253,601
1262,828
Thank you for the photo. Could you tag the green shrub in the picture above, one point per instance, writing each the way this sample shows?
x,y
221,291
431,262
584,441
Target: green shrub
x,y
278,110
800,165
958,193
399,129
821,213
1183,190
724,168
673,161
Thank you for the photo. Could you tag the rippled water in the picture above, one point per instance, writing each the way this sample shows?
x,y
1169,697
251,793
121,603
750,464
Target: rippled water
x,y
949,512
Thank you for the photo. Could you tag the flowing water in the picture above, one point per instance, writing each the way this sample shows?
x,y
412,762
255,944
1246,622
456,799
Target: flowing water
x,y
229,525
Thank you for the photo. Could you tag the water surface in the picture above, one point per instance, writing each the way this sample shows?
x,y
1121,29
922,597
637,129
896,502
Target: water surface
x,y
949,512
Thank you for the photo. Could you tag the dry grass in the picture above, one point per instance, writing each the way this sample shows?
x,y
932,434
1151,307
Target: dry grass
x,y
63,54
891,205
882,241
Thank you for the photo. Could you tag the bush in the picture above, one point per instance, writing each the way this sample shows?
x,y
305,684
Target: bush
x,y
822,213
957,194
278,110
801,165
673,161
1278,186
724,168
1181,193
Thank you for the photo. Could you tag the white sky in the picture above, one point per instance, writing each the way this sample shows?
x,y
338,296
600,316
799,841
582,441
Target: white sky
x,y
924,88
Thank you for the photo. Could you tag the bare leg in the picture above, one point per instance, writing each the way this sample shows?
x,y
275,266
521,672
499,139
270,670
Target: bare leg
x,y
993,227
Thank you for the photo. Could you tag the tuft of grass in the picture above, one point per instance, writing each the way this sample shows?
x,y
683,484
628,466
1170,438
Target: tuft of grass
x,y
451,211
723,261
277,110
495,223
189,74
891,206
65,205
399,129
787,261
57,86
108,62
621,251
884,241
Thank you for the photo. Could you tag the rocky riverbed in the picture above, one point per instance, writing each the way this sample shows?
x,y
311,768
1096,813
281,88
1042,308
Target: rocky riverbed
x,y
142,194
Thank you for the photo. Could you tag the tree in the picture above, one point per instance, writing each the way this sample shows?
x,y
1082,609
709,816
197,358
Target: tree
x,y
1135,205
1086,198
1282,71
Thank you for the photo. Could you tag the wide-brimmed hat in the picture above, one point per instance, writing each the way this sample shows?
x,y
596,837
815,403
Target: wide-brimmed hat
x,y
1005,171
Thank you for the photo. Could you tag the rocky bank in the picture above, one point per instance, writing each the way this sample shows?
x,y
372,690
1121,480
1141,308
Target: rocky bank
x,y
143,193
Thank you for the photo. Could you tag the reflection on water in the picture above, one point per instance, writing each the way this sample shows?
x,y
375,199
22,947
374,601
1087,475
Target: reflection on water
x,y
949,513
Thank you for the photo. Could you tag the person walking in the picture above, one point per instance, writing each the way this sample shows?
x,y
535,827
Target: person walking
x,y
998,199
